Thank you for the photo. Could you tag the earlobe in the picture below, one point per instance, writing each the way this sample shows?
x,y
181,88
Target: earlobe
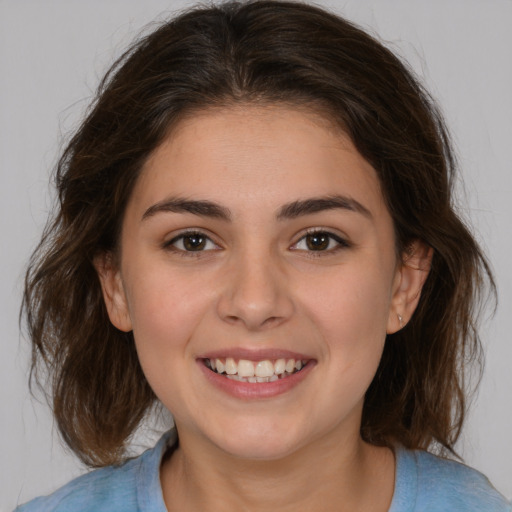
x,y
409,280
113,291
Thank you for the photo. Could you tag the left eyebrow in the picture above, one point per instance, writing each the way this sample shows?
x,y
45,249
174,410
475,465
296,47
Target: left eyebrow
x,y
319,204
196,207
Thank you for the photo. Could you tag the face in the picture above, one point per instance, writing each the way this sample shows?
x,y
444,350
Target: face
x,y
259,274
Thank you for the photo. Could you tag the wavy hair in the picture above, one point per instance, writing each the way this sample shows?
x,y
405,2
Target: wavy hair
x,y
263,52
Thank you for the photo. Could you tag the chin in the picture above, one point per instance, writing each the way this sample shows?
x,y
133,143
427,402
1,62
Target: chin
x,y
262,450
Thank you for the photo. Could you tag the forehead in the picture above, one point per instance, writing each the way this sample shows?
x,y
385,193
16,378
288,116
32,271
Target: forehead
x,y
252,154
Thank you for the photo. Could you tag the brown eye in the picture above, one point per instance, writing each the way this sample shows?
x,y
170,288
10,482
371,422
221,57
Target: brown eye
x,y
318,241
194,242
191,242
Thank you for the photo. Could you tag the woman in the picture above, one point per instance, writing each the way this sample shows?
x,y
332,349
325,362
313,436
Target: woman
x,y
255,230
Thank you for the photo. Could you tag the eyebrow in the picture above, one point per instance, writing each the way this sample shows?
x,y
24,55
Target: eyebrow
x,y
319,204
292,210
196,207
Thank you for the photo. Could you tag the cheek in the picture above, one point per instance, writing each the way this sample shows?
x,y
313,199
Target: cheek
x,y
166,316
352,301
165,311
350,311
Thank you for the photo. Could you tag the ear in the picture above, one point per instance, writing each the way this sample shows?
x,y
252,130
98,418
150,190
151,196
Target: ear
x,y
410,277
114,294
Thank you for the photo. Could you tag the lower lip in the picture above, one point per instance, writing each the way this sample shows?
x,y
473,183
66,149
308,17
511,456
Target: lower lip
x,y
257,390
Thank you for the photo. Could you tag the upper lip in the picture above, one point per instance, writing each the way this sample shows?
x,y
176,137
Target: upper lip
x,y
254,354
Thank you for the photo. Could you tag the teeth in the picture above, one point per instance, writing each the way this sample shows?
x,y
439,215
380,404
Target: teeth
x,y
245,368
219,366
290,365
261,371
231,367
279,366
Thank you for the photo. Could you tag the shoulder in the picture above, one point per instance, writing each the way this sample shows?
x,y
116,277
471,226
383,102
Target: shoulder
x,y
92,491
132,486
436,484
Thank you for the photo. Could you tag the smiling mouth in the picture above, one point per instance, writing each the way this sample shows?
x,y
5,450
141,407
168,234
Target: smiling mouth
x,y
243,370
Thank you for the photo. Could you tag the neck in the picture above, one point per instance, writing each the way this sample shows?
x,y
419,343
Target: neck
x,y
324,475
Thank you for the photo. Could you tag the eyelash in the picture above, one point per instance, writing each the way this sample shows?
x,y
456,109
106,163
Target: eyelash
x,y
182,251
330,237
339,241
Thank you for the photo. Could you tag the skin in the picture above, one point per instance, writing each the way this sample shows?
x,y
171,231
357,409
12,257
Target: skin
x,y
256,286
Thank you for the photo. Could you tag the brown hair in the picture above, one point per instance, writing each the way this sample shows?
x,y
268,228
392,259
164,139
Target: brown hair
x,y
267,52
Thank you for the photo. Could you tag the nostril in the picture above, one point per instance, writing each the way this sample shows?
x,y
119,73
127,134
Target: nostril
x,y
272,320
257,306
233,319
267,322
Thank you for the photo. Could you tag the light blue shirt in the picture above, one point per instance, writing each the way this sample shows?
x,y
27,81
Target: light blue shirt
x,y
423,483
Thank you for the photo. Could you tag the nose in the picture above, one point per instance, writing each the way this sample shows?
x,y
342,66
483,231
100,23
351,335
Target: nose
x,y
256,294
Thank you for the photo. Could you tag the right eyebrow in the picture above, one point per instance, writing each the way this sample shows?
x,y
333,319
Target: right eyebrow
x,y
196,207
319,204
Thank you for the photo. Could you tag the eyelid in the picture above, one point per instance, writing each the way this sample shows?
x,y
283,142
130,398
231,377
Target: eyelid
x,y
170,244
342,242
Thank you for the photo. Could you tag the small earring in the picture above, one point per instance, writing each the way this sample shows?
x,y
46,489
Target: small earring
x,y
400,319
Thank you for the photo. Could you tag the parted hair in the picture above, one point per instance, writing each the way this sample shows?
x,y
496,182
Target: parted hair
x,y
258,52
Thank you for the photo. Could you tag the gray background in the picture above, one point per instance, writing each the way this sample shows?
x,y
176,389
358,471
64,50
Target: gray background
x,y
52,54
